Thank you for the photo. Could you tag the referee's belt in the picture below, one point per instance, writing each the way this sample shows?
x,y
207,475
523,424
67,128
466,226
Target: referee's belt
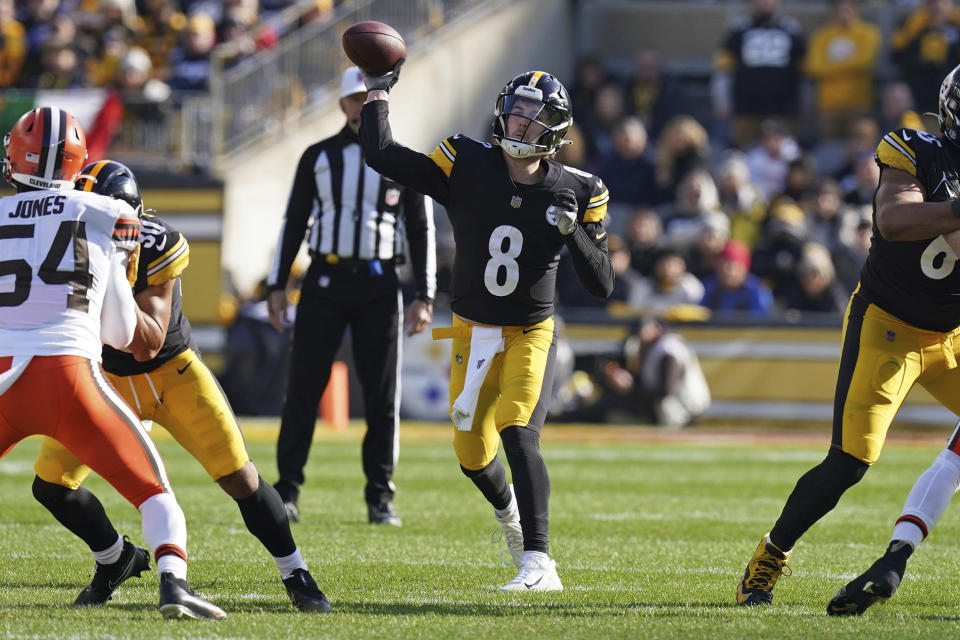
x,y
352,264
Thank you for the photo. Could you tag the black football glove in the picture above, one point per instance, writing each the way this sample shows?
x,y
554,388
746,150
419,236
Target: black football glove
x,y
384,81
564,209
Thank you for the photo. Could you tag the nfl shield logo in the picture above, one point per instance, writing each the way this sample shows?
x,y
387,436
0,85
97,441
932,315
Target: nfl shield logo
x,y
516,201
392,197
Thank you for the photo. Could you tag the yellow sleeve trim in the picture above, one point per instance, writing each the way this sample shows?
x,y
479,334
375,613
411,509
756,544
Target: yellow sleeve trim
x,y
170,265
597,207
444,156
893,153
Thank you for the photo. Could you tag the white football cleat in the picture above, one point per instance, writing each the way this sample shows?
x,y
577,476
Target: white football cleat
x,y
538,573
508,529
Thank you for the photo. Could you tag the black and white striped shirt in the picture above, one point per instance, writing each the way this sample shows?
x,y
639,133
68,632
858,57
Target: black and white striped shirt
x,y
354,213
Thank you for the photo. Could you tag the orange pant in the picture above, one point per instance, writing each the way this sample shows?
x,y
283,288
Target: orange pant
x,y
69,399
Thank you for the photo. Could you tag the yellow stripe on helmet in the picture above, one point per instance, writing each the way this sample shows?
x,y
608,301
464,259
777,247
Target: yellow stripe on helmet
x,y
88,182
535,78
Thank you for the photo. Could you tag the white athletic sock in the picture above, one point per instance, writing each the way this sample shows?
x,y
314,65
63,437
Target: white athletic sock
x,y
928,498
288,564
111,554
164,525
539,556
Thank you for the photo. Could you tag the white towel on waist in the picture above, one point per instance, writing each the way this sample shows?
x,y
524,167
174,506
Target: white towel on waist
x,y
8,377
485,343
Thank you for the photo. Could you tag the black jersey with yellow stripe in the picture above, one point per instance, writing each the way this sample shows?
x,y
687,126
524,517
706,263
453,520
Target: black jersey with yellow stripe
x,y
916,281
508,245
164,254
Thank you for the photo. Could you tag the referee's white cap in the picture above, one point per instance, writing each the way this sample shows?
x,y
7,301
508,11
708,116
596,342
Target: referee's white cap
x,y
352,82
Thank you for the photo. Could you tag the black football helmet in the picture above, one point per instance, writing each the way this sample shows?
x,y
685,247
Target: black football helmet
x,y
111,178
949,106
539,98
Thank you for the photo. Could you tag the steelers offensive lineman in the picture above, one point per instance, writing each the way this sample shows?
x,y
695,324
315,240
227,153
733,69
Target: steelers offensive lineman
x,y
163,379
900,328
512,209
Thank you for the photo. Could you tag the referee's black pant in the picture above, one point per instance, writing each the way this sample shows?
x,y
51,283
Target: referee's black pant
x,y
333,298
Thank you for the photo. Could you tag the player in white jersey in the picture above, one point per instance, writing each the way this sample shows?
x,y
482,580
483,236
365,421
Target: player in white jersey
x,y
64,288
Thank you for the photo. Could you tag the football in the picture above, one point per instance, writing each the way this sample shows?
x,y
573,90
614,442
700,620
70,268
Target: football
x,y
373,46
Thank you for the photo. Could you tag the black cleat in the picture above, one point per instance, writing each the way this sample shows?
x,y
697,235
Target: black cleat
x,y
178,600
876,584
107,577
305,594
383,514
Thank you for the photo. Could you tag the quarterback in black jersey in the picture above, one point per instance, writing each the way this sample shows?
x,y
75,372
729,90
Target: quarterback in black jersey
x,y
164,380
512,209
900,329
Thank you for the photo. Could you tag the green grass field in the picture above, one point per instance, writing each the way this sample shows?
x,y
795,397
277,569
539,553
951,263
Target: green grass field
x,y
651,534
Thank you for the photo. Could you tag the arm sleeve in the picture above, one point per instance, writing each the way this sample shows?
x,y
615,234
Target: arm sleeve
x,y
302,195
118,315
421,237
406,166
588,253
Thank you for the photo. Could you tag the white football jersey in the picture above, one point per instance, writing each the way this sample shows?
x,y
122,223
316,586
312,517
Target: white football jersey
x,y
55,253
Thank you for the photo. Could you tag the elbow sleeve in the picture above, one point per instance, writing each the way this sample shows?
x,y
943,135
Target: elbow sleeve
x,y
118,316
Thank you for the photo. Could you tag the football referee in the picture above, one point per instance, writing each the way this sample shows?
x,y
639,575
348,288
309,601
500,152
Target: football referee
x,y
354,217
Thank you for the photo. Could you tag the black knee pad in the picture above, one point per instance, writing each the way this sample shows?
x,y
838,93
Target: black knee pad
x,y
519,440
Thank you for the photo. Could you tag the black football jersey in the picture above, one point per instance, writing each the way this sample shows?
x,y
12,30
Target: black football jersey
x,y
164,254
916,281
507,244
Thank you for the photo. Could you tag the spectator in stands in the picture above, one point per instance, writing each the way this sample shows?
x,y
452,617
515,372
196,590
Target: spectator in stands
x,y
684,217
897,109
925,48
682,147
13,45
658,378
815,288
59,68
742,200
799,185
36,17
670,285
862,140
757,71
190,62
861,188
609,106
643,233
626,169
825,215
626,279
769,159
704,255
849,256
841,61
162,24
589,77
653,96
734,290
776,257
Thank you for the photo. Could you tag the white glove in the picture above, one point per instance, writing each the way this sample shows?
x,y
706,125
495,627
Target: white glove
x,y
564,210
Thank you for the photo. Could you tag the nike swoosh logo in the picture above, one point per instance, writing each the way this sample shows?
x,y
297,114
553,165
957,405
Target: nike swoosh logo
x,y
531,586
526,331
601,236
126,569
906,136
180,371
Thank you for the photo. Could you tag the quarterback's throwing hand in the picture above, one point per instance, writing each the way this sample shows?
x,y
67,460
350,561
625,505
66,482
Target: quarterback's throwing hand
x,y
564,209
383,81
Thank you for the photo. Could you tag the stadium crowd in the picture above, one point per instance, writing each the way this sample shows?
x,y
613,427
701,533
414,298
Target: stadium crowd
x,y
762,205
148,45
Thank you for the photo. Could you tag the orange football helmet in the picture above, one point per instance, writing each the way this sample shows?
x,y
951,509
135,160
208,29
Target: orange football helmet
x,y
46,149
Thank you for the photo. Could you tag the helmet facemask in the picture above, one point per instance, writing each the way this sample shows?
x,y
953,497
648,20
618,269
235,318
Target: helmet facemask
x,y
949,107
525,126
